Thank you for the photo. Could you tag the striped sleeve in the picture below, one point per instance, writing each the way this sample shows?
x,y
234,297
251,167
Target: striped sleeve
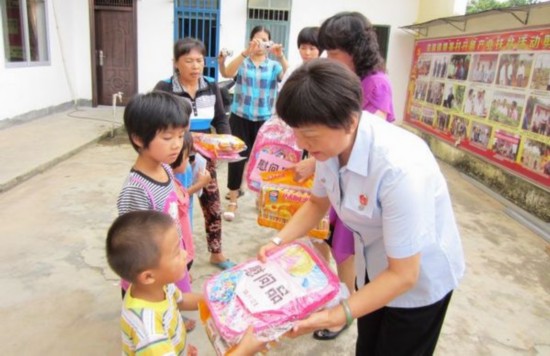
x,y
143,334
133,198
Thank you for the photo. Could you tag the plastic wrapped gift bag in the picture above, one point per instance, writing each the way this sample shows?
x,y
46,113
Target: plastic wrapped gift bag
x,y
219,146
270,297
274,149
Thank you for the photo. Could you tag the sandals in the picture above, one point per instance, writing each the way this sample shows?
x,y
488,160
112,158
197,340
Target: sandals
x,y
241,193
229,214
227,264
326,334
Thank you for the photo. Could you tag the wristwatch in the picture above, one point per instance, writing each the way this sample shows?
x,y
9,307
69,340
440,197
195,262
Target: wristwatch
x,y
277,240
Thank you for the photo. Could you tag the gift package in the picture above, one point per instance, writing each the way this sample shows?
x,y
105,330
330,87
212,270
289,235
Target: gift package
x,y
218,146
274,149
279,199
271,297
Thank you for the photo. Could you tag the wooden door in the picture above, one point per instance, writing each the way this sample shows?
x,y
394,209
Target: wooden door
x,y
115,53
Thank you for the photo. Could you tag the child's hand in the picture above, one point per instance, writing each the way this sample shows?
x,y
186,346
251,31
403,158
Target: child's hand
x,y
249,345
203,178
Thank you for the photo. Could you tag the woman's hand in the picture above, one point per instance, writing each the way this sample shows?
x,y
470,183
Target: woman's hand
x,y
277,50
253,46
221,57
304,169
316,321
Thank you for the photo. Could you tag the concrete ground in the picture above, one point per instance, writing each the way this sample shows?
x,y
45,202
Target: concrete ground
x,y
59,297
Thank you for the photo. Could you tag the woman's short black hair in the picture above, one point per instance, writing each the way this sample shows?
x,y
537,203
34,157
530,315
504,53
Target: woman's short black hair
x,y
147,114
260,28
185,45
310,36
352,33
320,92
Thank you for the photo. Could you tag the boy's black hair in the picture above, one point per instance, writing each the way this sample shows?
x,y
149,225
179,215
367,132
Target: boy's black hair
x,y
320,92
310,36
185,45
260,28
132,244
147,114
187,147
352,33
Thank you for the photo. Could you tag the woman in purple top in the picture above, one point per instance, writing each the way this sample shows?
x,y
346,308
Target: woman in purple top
x,y
348,37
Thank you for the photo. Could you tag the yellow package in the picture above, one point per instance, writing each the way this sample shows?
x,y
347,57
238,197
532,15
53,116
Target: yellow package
x,y
285,177
218,146
280,198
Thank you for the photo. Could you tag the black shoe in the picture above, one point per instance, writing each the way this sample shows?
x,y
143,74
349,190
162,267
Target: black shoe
x,y
326,334
241,193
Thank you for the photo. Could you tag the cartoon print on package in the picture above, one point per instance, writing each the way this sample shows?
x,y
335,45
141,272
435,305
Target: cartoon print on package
x,y
271,296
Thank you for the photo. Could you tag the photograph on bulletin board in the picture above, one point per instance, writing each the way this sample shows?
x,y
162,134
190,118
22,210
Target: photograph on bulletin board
x,y
488,94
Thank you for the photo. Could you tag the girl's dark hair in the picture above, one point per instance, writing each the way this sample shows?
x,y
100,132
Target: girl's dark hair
x,y
185,45
186,147
352,33
147,114
260,28
309,35
320,92
132,244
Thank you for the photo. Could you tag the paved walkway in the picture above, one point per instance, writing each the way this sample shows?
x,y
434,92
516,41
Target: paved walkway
x,y
60,298
34,146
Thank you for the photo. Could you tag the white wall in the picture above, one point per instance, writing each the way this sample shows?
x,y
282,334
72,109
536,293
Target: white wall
x,y
74,29
538,16
155,32
434,9
379,12
233,27
24,89
233,34
32,88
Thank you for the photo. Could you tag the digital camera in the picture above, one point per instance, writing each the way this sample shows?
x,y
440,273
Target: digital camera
x,y
226,52
266,45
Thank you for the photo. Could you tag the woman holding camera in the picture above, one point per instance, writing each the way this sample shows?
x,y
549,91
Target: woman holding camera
x,y
256,78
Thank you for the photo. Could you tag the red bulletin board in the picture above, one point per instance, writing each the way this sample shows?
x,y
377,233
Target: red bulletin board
x,y
488,94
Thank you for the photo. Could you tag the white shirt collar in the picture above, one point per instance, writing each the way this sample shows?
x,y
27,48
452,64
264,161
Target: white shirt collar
x,y
361,150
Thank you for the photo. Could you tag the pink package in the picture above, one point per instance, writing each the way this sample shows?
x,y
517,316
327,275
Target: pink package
x,y
271,296
274,149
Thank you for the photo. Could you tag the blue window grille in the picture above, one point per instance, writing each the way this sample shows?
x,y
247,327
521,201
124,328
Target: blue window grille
x,y
277,21
200,19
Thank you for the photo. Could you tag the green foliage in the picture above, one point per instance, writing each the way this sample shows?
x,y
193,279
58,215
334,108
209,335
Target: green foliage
x,y
482,5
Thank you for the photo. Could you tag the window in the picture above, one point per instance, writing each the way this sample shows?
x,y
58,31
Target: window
x,y
25,31
274,15
383,37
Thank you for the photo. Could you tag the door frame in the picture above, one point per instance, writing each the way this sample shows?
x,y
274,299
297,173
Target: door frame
x,y
92,8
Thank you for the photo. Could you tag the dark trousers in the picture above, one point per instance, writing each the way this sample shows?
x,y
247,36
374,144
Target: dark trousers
x,y
247,131
211,210
401,331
